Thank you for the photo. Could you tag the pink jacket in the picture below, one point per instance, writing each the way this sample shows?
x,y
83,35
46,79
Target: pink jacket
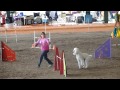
x,y
43,43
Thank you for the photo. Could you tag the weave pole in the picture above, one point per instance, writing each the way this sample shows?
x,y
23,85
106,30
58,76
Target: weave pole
x,y
59,62
16,34
45,20
6,36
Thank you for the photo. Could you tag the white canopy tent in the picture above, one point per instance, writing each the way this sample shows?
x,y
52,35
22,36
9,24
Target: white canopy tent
x,y
30,12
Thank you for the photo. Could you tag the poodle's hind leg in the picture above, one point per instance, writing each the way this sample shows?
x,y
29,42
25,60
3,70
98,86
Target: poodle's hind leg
x,y
87,61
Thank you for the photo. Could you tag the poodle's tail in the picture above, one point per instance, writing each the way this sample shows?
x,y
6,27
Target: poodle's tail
x,y
90,55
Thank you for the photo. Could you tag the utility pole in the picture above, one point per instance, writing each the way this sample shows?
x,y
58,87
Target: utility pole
x,y
105,16
8,16
8,13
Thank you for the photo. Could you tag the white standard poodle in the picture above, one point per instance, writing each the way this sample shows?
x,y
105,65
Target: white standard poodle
x,y
82,58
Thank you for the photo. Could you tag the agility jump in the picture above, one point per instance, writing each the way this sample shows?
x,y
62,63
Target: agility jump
x,y
6,36
104,50
7,54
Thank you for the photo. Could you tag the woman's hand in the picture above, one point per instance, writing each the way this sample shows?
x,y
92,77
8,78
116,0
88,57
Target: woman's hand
x,y
33,45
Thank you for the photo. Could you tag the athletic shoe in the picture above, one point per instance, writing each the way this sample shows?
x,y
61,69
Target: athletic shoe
x,y
38,65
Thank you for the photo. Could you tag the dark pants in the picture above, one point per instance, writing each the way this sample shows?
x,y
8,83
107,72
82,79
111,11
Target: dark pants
x,y
44,55
118,18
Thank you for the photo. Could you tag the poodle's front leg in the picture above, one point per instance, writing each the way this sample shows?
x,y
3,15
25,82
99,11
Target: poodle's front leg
x,y
79,64
82,63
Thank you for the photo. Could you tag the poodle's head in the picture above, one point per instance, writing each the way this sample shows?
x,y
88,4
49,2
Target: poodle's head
x,y
75,51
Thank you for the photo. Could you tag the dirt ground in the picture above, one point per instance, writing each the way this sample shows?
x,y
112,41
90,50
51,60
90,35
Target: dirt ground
x,y
25,67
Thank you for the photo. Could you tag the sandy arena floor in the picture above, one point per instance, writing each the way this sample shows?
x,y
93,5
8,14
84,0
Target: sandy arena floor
x,y
25,67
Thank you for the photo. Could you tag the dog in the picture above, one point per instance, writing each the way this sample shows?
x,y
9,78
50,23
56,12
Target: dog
x,y
82,58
